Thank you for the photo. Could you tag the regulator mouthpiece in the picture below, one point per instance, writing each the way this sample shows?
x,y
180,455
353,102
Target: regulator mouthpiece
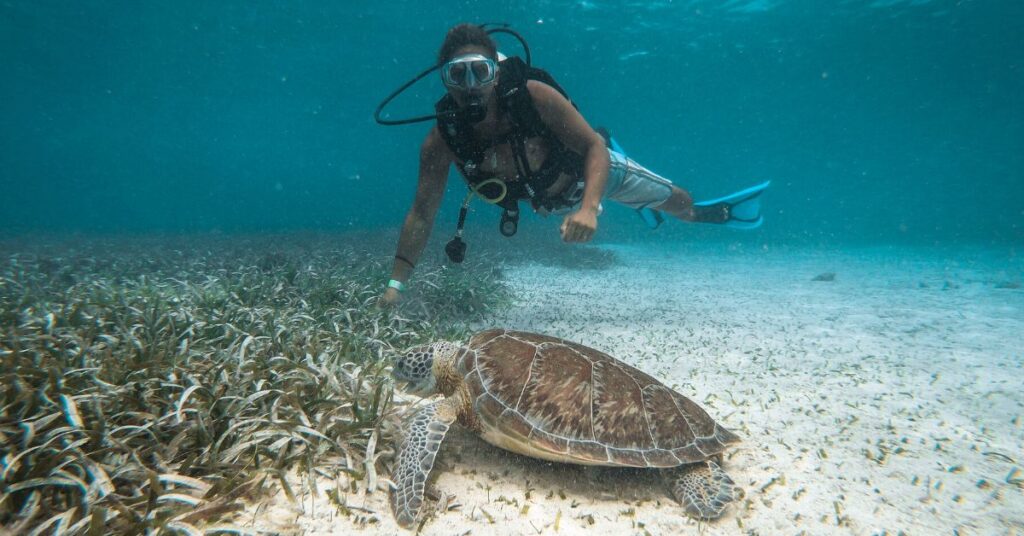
x,y
474,111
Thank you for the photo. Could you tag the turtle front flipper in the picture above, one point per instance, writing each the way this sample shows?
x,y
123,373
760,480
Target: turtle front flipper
x,y
423,436
704,489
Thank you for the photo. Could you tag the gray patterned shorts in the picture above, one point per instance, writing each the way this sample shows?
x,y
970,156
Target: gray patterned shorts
x,y
629,183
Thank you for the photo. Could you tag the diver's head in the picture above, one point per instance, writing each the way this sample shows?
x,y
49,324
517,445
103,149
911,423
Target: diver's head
x,y
469,67
466,35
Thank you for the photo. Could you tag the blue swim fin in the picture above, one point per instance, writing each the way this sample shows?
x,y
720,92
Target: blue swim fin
x,y
614,145
651,217
741,210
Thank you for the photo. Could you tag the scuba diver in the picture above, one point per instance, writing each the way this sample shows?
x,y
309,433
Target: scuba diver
x,y
514,135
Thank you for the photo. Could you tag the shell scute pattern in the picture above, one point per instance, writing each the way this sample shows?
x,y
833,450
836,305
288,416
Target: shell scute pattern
x,y
669,427
583,405
544,440
557,397
591,451
514,424
662,458
620,418
489,409
628,457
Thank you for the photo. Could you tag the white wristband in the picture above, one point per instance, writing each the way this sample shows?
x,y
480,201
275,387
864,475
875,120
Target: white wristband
x,y
397,285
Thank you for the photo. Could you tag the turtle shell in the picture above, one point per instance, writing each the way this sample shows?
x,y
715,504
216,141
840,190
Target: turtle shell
x,y
553,399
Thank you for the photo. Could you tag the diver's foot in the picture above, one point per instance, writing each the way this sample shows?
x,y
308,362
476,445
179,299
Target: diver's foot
x,y
717,213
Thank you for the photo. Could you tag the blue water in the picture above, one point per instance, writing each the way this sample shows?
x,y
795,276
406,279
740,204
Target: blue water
x,y
881,121
150,146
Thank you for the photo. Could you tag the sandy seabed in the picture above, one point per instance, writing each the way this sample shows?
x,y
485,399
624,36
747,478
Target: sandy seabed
x,y
888,400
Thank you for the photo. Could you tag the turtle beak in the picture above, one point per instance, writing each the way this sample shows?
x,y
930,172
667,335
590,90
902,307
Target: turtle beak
x,y
423,388
414,388
406,384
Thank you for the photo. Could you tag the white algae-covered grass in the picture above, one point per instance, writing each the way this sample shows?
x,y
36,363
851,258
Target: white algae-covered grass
x,y
154,385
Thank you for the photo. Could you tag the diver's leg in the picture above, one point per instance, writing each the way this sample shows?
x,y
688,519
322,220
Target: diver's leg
x,y
680,204
639,187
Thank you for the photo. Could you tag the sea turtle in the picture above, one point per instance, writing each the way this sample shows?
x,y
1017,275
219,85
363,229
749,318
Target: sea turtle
x,y
552,399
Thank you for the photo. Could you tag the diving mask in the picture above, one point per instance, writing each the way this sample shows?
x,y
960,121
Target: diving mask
x,y
469,71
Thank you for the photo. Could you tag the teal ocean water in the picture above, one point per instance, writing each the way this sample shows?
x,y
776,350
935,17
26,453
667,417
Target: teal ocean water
x,y
878,121
199,212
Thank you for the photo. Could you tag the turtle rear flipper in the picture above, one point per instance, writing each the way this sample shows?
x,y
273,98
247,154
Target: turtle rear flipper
x,y
423,436
704,489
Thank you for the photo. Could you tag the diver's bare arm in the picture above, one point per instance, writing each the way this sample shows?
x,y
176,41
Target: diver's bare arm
x,y
572,130
434,162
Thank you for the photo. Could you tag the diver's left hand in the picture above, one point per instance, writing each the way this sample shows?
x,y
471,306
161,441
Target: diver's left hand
x,y
579,226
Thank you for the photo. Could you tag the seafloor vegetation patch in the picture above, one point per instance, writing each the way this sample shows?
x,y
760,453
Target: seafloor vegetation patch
x,y
155,384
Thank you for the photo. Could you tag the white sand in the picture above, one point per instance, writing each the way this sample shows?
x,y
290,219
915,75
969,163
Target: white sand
x,y
887,400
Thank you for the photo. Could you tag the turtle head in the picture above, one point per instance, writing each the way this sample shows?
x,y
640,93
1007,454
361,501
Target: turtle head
x,y
416,366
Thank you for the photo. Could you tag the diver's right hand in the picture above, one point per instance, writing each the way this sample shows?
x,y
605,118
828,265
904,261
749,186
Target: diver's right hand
x,y
390,297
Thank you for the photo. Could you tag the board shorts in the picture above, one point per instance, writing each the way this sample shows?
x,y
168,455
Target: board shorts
x,y
629,183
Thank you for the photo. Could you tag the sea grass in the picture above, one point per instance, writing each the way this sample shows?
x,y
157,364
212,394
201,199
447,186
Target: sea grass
x,y
152,384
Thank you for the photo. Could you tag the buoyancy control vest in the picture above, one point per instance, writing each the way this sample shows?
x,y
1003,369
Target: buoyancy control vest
x,y
514,100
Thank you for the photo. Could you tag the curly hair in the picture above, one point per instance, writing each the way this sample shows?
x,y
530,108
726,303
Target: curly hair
x,y
466,34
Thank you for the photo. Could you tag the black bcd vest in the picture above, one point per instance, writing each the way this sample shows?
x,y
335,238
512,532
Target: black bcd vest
x,y
515,101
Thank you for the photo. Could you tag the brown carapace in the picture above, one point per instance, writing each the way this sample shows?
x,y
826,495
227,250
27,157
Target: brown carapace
x,y
556,400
